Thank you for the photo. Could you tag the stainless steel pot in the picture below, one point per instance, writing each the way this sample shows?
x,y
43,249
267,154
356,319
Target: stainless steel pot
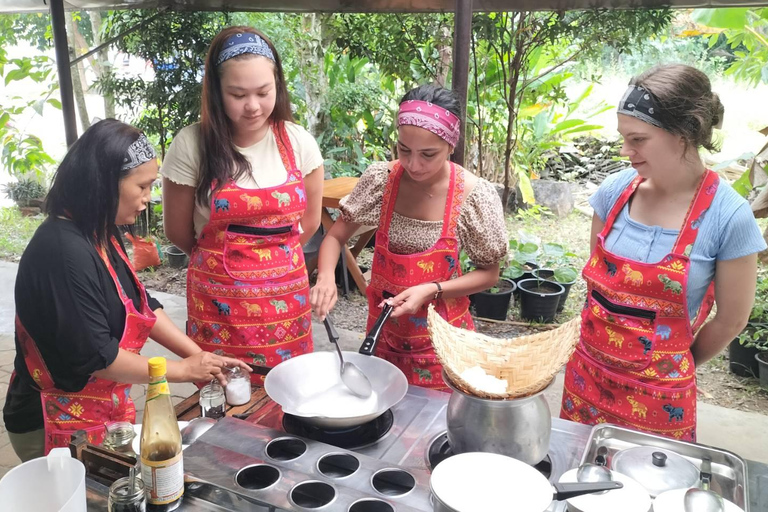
x,y
518,428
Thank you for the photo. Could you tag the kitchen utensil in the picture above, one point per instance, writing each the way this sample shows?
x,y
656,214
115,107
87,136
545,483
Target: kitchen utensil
x,y
372,338
480,482
54,483
527,363
352,377
674,501
238,388
593,473
656,469
631,498
699,500
519,428
195,428
309,386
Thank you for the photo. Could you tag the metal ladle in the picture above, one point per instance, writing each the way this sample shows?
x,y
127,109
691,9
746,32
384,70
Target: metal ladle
x,y
704,499
352,376
591,473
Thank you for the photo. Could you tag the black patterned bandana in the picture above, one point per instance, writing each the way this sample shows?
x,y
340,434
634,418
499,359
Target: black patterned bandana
x,y
139,152
640,103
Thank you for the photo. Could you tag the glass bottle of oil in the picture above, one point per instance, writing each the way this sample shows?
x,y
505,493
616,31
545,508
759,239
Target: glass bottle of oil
x,y
162,468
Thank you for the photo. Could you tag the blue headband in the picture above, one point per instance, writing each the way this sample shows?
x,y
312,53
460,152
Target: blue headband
x,y
238,44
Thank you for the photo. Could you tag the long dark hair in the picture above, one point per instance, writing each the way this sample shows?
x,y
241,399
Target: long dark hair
x,y
219,158
86,187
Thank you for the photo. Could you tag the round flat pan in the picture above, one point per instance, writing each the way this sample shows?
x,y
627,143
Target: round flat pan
x,y
309,386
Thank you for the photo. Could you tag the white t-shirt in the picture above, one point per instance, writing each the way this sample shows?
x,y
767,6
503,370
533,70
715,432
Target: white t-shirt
x,y
182,162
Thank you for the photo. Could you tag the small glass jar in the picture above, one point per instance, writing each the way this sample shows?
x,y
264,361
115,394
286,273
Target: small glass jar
x,y
123,498
212,400
119,437
238,386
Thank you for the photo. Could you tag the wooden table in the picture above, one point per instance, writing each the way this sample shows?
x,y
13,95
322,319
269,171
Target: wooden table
x,y
333,191
190,408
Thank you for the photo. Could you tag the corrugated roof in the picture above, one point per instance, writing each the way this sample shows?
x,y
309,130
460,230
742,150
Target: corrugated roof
x,y
366,5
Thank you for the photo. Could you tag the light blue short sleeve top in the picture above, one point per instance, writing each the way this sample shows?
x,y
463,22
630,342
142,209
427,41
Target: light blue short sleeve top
x,y
728,231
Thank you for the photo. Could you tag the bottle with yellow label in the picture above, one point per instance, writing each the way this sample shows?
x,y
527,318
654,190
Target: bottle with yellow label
x,y
162,468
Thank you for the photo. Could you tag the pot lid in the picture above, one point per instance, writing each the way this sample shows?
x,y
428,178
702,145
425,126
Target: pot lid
x,y
656,469
674,501
631,498
479,482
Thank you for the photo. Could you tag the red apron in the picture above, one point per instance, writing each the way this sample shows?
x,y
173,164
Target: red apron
x,y
247,285
633,365
101,401
405,341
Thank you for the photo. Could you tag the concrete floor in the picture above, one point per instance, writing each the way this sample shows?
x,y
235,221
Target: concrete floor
x,y
741,432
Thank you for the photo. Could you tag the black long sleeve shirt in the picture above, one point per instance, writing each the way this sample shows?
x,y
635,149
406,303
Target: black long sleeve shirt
x,y
67,301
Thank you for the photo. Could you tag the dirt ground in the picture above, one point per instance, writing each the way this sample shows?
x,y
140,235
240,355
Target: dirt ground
x,y
716,384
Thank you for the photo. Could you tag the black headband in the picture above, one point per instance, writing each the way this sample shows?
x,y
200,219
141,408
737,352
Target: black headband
x,y
640,103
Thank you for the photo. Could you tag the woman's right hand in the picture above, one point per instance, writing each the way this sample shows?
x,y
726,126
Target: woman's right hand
x,y
324,295
205,366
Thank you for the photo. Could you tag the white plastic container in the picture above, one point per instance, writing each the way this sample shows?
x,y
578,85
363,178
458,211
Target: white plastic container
x,y
55,483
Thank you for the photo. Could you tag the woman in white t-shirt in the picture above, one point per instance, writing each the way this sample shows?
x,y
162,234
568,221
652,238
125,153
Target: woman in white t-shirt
x,y
242,192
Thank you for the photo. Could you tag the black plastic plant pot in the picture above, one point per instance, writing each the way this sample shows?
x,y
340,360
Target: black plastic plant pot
x,y
549,275
494,305
762,361
539,299
176,257
742,360
530,268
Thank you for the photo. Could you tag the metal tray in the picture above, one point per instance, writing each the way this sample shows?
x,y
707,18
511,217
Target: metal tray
x,y
218,456
729,471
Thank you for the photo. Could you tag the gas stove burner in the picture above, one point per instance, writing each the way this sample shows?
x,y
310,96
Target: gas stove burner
x,y
440,450
347,438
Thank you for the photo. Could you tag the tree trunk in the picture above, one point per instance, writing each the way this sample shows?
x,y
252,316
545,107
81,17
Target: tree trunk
x,y
310,52
101,64
78,76
445,51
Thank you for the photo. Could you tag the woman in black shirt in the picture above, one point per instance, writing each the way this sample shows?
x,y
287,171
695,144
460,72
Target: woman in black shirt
x,y
81,314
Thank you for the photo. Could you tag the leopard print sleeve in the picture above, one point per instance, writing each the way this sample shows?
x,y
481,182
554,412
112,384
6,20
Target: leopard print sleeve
x,y
363,204
482,226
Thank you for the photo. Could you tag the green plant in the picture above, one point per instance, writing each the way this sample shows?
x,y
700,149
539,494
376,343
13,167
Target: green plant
x,y
756,333
16,230
519,254
533,212
24,190
561,260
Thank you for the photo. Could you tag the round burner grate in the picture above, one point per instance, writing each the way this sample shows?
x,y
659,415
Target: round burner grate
x,y
440,450
347,438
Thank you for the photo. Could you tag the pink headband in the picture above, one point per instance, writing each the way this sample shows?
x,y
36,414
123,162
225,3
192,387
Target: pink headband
x,y
429,116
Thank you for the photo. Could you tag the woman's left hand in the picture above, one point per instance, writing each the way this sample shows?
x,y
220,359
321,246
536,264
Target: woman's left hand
x,y
409,301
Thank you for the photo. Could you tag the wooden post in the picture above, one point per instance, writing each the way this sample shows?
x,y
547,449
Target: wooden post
x,y
462,32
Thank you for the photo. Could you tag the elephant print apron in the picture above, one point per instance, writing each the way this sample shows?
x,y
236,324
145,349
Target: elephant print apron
x,y
405,341
101,401
247,285
633,365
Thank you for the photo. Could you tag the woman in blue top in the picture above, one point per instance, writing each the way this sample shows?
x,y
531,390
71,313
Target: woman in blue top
x,y
669,238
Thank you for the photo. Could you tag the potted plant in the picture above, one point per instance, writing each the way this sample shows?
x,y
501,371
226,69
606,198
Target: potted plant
x,y
521,262
494,302
762,361
27,193
743,351
557,265
539,299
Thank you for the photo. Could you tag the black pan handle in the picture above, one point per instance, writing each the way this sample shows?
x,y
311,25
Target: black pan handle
x,y
570,490
372,338
333,334
259,370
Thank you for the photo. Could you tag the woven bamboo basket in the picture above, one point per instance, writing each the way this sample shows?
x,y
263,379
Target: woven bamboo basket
x,y
527,363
